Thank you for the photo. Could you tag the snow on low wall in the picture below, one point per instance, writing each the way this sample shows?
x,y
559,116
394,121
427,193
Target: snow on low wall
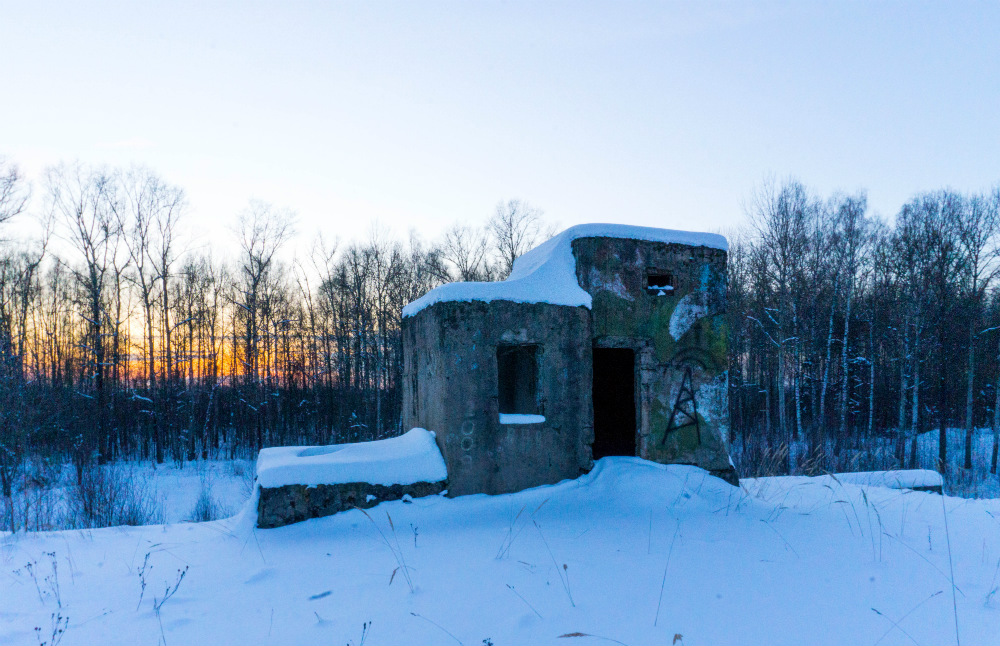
x,y
301,482
913,479
411,457
916,479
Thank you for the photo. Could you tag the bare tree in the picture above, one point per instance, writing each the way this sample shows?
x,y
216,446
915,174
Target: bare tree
x,y
262,229
82,199
995,206
913,249
516,227
780,215
936,218
467,250
148,214
14,191
149,208
977,232
17,291
853,236
163,254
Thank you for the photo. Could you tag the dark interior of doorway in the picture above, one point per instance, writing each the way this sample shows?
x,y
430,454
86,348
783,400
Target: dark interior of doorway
x,y
614,402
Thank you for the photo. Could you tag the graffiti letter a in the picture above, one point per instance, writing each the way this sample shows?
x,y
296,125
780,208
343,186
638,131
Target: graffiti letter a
x,y
685,411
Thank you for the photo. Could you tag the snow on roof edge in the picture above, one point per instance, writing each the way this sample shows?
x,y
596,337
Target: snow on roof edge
x,y
547,273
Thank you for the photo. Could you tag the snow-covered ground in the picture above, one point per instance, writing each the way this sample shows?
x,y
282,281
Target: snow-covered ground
x,y
633,553
46,497
228,482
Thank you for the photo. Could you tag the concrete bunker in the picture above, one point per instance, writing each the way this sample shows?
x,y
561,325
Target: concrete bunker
x,y
606,340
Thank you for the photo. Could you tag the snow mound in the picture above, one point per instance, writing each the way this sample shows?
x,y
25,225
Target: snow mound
x,y
547,273
411,457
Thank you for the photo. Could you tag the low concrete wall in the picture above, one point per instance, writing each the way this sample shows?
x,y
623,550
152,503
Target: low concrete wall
x,y
281,506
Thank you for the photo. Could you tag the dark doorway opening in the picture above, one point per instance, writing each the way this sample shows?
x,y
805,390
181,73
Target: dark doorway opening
x,y
614,402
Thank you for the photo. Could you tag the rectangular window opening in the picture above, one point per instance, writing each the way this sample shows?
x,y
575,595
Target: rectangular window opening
x,y
660,284
517,377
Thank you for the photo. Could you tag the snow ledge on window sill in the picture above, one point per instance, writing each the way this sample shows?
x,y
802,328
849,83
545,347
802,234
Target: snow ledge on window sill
x,y
517,418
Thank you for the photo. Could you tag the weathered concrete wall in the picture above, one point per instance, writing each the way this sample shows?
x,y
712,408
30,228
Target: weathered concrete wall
x,y
279,506
677,334
450,387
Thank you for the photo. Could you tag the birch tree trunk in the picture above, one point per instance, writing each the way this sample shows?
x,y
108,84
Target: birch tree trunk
x,y
829,355
782,426
798,376
871,374
942,462
969,382
901,434
996,420
915,407
843,363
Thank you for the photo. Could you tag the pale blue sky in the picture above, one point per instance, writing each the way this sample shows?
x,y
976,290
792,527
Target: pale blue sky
x,y
421,114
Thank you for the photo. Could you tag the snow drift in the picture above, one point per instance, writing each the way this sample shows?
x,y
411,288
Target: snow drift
x,y
634,552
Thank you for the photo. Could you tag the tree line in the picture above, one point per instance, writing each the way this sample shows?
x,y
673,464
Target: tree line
x,y
847,329
117,341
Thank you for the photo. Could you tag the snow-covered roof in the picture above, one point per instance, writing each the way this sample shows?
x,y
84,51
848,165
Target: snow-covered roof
x,y
547,273
411,457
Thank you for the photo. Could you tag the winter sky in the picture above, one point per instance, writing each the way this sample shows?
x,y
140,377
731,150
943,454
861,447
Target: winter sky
x,y
423,114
